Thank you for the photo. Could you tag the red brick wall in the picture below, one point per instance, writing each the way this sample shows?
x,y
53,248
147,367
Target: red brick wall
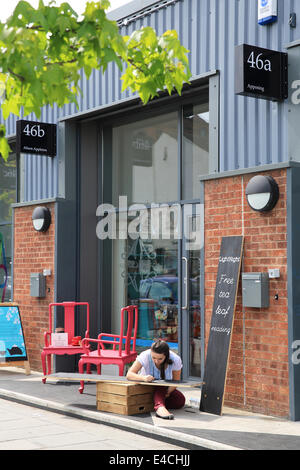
x,y
257,378
33,252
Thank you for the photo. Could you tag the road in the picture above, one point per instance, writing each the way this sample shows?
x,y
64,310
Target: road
x,y
24,427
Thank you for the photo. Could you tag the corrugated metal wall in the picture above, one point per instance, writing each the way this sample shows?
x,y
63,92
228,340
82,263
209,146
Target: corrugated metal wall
x,y
252,132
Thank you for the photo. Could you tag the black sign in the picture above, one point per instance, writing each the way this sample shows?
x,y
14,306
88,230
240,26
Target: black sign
x,y
261,73
36,138
212,395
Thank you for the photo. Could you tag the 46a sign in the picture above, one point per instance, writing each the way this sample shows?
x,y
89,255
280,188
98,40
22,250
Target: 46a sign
x,y
261,73
36,138
257,62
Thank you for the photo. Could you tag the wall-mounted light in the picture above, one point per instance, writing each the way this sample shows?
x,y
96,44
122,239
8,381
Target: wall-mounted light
x,y
41,219
262,193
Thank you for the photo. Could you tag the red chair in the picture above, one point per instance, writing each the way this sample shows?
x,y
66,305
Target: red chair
x,y
117,355
69,327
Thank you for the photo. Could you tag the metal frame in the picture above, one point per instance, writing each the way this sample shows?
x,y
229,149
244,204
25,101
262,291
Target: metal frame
x,y
293,274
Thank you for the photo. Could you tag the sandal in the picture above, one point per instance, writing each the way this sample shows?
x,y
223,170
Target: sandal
x,y
164,417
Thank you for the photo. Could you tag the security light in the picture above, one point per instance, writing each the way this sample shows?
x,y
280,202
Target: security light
x,y
262,193
41,219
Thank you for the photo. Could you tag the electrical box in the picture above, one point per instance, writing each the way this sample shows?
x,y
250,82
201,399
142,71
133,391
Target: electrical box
x,y
255,290
37,285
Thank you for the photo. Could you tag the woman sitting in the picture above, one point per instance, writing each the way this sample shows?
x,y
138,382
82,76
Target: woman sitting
x,y
160,363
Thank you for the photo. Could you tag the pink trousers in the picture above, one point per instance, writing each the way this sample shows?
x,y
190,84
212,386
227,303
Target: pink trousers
x,y
174,401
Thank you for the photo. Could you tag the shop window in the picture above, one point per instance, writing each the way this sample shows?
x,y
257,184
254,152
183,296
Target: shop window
x,y
160,291
156,160
145,272
8,188
145,160
195,147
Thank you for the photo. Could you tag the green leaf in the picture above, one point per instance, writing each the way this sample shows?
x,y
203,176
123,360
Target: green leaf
x,y
87,30
149,37
4,147
11,105
66,7
23,9
63,23
52,15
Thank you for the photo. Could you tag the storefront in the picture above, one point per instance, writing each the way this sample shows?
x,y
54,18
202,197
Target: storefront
x,y
150,160
140,197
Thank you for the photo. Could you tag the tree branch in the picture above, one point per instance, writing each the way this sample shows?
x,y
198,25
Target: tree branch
x,y
50,64
20,77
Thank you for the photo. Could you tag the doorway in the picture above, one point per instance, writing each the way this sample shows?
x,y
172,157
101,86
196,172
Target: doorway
x,y
153,227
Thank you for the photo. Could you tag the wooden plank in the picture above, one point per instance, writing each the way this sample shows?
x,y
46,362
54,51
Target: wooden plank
x,y
128,389
213,390
123,409
124,399
117,379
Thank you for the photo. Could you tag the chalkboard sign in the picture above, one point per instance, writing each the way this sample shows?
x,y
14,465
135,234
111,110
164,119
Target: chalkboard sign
x,y
12,342
212,395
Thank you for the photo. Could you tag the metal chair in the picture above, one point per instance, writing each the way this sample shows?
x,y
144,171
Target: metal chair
x,y
69,327
123,346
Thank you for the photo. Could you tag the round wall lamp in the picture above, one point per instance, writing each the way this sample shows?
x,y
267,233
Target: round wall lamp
x,y
262,193
41,219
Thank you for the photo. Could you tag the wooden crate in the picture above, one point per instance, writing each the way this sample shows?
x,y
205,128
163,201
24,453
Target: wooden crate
x,y
124,398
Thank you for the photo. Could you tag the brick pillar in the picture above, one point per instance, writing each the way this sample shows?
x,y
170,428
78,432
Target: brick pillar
x,y
33,252
257,378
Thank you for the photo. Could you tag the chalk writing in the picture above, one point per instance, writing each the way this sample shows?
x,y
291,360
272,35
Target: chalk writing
x,y
226,280
229,259
222,311
221,329
224,295
221,325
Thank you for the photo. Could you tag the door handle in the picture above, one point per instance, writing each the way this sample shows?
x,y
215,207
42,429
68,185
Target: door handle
x,y
185,281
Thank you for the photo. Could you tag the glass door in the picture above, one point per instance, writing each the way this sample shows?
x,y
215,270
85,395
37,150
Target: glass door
x,y
145,273
154,163
145,260
192,322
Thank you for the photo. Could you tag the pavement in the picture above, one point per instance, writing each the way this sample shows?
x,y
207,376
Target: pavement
x,y
191,428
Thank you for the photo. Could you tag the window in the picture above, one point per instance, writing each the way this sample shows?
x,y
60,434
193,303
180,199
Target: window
x,y
145,160
8,184
160,291
195,148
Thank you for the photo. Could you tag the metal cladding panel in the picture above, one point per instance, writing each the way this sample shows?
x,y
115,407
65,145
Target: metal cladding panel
x,y
252,131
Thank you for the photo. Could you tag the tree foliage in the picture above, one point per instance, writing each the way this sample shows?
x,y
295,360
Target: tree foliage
x,y
43,51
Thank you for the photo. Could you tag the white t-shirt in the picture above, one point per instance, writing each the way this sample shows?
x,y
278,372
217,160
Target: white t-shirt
x,y
149,368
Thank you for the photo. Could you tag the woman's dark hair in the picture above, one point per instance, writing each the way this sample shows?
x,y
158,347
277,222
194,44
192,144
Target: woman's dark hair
x,y
161,347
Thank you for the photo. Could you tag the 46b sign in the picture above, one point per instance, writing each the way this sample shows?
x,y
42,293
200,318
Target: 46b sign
x,y
34,130
261,73
36,138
